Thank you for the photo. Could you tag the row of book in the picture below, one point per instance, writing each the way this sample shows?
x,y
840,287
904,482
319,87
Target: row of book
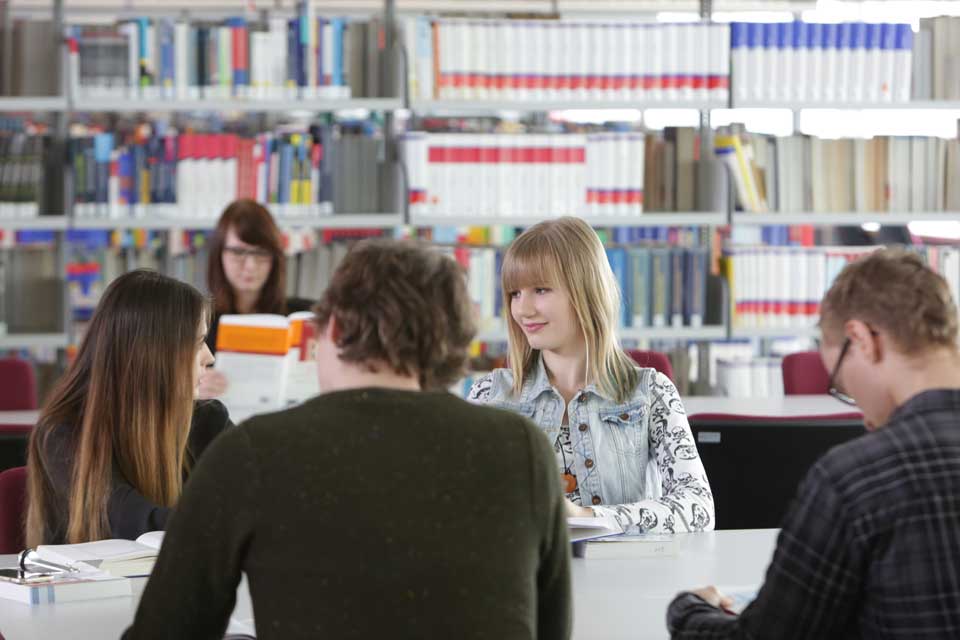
x,y
460,59
593,174
195,175
829,63
660,286
27,45
21,167
936,65
805,173
781,287
304,57
753,378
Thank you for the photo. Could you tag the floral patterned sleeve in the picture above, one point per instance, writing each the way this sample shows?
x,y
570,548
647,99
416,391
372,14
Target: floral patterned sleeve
x,y
480,390
686,503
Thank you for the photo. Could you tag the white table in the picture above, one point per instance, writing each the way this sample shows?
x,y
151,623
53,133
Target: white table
x,y
19,417
776,407
785,406
613,598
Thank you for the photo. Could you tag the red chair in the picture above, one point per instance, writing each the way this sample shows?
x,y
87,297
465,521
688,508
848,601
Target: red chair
x,y
13,509
803,374
655,359
18,386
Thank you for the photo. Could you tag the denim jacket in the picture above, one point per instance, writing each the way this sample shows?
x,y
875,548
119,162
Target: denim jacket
x,y
635,461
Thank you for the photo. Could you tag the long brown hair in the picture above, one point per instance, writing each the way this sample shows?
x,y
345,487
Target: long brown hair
x,y
566,253
254,225
127,400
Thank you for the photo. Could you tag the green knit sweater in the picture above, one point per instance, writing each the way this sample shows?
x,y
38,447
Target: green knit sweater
x,y
369,513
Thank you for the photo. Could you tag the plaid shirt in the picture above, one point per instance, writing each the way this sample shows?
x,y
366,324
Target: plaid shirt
x,y
870,547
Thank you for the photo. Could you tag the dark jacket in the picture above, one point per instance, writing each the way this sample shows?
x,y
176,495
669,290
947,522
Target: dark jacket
x,y
129,513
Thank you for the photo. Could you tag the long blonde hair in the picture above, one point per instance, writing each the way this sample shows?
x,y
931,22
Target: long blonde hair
x,y
127,400
566,254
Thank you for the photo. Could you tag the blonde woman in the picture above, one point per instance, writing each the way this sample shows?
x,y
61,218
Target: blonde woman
x,y
619,431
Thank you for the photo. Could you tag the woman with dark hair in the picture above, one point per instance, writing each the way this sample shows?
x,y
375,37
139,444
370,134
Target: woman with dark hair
x,y
246,273
116,440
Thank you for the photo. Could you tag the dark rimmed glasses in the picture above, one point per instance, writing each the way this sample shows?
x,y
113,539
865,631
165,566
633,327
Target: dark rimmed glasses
x,y
831,382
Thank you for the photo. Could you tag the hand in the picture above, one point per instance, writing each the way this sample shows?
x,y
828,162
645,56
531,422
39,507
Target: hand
x,y
213,384
712,596
575,511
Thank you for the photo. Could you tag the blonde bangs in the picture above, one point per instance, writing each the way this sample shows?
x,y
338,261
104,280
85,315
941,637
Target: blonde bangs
x,y
530,262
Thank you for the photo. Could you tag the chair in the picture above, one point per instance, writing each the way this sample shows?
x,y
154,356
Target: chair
x,y
13,509
654,359
804,374
18,386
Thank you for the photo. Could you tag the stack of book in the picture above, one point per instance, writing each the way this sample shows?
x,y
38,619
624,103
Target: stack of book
x,y
311,171
455,59
790,62
304,57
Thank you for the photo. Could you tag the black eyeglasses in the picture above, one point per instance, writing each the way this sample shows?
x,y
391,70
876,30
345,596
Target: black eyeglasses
x,y
239,254
832,386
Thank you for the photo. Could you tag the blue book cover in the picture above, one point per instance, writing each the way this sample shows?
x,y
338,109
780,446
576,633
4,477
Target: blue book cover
x,y
285,172
165,38
102,148
738,35
828,36
769,35
321,75
143,56
339,25
871,36
798,38
695,286
784,38
661,286
813,35
617,257
903,38
125,174
293,52
641,280
754,35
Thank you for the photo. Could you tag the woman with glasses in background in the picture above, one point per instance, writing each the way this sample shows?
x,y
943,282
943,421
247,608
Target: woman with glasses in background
x,y
246,273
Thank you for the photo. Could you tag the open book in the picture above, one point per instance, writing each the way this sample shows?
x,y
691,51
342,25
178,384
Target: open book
x,y
116,557
268,360
586,528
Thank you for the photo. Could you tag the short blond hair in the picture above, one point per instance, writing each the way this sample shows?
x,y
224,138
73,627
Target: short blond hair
x,y
893,290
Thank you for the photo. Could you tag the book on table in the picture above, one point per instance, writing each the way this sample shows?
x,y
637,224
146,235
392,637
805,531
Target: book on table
x,y
632,546
581,529
119,558
38,588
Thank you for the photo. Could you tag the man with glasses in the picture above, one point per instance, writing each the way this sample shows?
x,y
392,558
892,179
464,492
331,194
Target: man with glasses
x,y
870,547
